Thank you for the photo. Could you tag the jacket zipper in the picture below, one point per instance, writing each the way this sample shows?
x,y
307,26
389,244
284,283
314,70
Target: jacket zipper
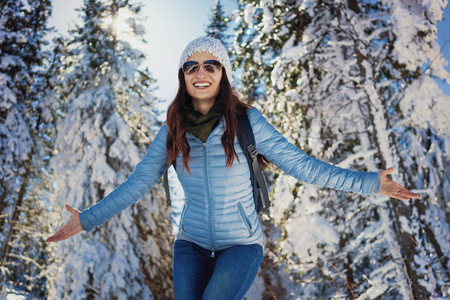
x,y
182,216
245,219
205,158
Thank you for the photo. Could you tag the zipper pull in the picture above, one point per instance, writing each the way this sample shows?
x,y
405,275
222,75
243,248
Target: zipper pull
x,y
212,253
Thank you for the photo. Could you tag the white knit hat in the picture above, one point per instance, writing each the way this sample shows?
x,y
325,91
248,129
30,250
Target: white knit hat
x,y
212,46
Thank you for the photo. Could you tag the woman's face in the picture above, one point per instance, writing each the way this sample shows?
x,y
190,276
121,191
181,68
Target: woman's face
x,y
203,86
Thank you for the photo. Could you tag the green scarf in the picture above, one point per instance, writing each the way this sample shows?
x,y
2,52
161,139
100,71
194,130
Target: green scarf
x,y
200,125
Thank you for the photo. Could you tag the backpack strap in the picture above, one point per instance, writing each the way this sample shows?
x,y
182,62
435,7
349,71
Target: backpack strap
x,y
166,188
247,142
260,179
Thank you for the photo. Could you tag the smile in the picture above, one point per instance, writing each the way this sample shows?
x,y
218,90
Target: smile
x,y
202,84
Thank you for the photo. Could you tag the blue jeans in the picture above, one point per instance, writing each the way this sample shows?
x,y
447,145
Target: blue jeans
x,y
227,275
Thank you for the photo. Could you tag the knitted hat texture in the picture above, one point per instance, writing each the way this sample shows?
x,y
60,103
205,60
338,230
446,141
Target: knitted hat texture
x,y
212,46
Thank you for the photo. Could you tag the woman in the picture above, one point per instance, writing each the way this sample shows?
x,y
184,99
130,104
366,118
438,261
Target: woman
x,y
218,250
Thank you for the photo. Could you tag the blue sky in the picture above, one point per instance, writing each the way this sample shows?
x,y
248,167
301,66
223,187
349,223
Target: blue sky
x,y
171,24
444,35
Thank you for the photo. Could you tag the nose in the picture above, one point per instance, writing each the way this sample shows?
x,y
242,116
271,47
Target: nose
x,y
201,72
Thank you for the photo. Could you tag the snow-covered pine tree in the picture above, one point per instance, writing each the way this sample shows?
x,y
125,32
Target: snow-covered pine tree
x,y
104,130
350,82
218,26
24,147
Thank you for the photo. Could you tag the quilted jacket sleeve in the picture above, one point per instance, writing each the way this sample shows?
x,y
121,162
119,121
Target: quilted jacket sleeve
x,y
144,177
295,162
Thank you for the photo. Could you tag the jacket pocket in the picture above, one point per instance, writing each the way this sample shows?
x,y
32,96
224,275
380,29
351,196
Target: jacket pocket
x,y
245,219
183,214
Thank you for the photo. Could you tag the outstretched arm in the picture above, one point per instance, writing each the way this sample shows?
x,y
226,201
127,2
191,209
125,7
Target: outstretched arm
x,y
296,163
293,161
70,229
145,175
393,189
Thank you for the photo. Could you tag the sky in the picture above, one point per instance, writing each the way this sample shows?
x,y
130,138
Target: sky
x,y
444,38
172,24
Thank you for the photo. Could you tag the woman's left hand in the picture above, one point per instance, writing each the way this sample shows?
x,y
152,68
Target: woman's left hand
x,y
393,189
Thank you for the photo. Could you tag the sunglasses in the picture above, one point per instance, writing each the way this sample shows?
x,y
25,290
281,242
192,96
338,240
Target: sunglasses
x,y
210,66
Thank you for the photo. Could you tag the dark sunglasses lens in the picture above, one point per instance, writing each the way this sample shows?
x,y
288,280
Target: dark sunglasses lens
x,y
190,67
212,66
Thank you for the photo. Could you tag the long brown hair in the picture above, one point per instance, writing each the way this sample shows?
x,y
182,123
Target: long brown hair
x,y
177,123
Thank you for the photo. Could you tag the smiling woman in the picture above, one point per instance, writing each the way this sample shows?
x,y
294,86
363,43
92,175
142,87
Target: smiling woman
x,y
202,82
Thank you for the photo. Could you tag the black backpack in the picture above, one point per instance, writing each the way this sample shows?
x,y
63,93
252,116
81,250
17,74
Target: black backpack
x,y
247,142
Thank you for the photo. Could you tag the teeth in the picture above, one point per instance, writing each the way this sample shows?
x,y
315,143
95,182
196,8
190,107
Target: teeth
x,y
202,84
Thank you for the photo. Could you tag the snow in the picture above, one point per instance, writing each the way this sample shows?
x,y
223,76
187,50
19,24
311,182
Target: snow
x,y
426,105
360,111
283,198
307,235
380,109
267,20
378,287
102,172
249,11
103,132
407,22
14,297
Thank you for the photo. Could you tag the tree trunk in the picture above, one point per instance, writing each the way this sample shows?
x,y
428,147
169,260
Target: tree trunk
x,y
16,212
270,270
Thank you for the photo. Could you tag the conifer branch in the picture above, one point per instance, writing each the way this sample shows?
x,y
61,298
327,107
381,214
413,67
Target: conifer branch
x,y
406,273
429,268
343,277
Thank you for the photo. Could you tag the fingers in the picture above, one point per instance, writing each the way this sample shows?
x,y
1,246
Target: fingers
x,y
58,236
384,173
53,238
70,229
64,233
404,194
388,171
399,192
410,194
393,189
71,209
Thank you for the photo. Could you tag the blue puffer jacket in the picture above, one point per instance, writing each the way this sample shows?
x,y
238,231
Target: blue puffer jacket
x,y
219,210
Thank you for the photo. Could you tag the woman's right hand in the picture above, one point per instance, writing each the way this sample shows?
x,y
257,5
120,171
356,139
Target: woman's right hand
x,y
70,229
